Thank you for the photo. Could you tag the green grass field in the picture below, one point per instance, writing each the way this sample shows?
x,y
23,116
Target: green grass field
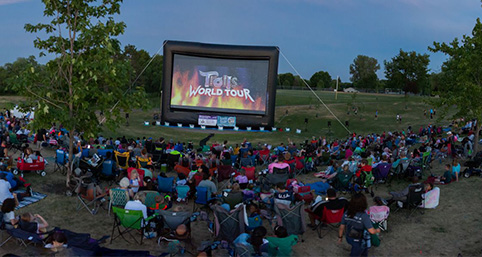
x,y
292,107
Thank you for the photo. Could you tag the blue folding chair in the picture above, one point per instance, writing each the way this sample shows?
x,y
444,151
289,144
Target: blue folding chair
x,y
165,185
202,198
103,152
233,158
85,153
61,161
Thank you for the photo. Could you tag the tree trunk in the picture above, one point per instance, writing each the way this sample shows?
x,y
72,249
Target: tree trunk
x,y
476,138
71,157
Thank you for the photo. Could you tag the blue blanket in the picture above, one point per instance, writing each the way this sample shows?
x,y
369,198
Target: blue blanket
x,y
319,187
36,196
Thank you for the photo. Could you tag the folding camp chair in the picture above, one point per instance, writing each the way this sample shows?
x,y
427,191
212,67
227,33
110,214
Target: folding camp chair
x,y
278,176
381,173
107,172
14,143
342,181
330,219
292,218
264,157
61,161
129,220
140,172
299,166
414,200
224,174
379,216
103,152
25,238
325,158
150,201
228,225
142,162
182,193
250,173
202,198
3,230
165,184
171,220
122,159
89,199
118,197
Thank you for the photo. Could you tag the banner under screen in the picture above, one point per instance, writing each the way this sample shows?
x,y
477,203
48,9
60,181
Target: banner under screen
x,y
222,85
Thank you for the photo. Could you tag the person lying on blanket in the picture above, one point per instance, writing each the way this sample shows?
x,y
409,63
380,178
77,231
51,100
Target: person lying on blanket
x,y
33,223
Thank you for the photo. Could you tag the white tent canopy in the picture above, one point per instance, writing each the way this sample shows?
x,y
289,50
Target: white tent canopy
x,y
19,114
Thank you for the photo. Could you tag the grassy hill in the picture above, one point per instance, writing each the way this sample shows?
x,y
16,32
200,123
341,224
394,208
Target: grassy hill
x,y
292,107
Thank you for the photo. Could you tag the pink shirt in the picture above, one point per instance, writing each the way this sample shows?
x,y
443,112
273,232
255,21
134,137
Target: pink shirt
x,y
277,165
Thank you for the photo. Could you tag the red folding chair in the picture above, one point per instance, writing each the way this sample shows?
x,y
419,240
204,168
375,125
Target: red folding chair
x,y
250,173
264,156
140,172
330,220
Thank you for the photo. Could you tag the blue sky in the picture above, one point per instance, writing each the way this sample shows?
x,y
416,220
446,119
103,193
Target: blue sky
x,y
313,34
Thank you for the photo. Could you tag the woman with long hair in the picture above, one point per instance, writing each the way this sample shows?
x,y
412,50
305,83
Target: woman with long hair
x,y
357,226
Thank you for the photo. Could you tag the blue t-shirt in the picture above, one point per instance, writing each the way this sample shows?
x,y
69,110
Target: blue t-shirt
x,y
10,178
456,169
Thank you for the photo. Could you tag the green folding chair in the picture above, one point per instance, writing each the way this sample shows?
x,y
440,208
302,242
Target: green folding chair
x,y
117,197
127,221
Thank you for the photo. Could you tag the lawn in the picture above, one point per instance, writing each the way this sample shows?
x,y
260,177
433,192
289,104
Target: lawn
x,y
292,108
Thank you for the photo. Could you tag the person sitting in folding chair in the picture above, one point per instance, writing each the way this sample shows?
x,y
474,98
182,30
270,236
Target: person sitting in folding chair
x,y
279,164
8,208
282,195
282,243
401,196
209,184
137,205
332,203
124,185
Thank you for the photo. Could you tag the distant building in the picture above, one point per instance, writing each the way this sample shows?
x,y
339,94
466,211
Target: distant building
x,y
350,90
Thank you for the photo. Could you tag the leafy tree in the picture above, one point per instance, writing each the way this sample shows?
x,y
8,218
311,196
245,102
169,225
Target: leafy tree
x,y
87,83
461,78
154,75
148,73
333,83
363,72
320,79
11,72
408,71
286,79
435,80
137,59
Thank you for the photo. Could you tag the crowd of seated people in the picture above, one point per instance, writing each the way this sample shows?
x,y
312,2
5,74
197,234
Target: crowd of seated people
x,y
358,157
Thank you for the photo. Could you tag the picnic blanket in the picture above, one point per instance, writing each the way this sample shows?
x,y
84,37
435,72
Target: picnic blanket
x,y
36,196
319,187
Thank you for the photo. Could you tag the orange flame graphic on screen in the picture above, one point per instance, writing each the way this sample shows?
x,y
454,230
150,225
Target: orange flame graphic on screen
x,y
181,81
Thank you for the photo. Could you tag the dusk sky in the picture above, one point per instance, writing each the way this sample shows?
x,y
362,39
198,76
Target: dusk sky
x,y
313,34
